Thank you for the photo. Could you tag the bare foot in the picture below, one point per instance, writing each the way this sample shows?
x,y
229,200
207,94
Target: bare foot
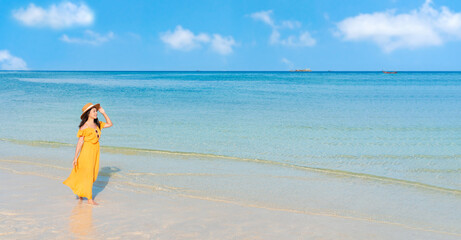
x,y
90,201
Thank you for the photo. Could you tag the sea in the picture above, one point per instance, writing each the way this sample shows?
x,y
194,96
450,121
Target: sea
x,y
361,145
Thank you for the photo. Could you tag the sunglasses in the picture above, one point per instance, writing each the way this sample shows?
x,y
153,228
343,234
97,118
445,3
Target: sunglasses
x,y
97,133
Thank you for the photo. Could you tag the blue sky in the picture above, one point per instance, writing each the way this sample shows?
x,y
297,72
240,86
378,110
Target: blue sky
x,y
235,35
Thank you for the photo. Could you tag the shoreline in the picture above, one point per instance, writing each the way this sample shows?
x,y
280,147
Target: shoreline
x,y
40,206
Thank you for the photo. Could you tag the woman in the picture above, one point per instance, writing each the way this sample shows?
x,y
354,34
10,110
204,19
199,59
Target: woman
x,y
86,166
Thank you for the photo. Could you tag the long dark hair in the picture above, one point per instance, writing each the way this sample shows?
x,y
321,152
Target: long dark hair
x,y
85,118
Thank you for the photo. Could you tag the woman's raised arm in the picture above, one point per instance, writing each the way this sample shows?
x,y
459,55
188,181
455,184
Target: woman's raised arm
x,y
108,121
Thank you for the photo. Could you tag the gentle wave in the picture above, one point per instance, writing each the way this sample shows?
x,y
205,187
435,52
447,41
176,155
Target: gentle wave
x,y
334,172
142,151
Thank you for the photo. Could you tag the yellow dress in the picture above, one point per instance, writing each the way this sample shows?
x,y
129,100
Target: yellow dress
x,y
84,174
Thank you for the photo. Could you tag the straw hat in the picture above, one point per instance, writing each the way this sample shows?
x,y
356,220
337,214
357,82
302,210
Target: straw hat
x,y
87,107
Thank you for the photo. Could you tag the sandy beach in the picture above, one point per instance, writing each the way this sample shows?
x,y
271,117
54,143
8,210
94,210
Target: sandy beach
x,y
37,207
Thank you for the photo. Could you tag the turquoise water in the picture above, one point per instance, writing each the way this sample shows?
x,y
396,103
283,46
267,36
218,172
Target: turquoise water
x,y
361,144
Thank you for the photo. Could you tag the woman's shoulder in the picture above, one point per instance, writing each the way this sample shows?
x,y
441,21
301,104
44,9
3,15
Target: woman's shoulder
x,y
83,131
82,128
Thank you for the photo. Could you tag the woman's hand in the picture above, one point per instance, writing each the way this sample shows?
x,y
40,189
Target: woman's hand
x,y
101,110
74,163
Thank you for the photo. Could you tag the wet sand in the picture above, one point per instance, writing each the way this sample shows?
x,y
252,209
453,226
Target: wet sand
x,y
37,207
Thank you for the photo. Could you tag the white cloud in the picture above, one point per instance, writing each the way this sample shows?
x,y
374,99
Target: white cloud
x,y
90,37
10,62
290,24
185,40
222,45
304,39
63,15
422,27
264,16
289,64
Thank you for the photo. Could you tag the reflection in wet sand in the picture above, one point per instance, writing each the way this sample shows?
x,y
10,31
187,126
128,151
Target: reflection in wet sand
x,y
81,220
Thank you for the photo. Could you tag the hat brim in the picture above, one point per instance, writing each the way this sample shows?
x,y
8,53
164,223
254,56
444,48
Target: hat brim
x,y
97,106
